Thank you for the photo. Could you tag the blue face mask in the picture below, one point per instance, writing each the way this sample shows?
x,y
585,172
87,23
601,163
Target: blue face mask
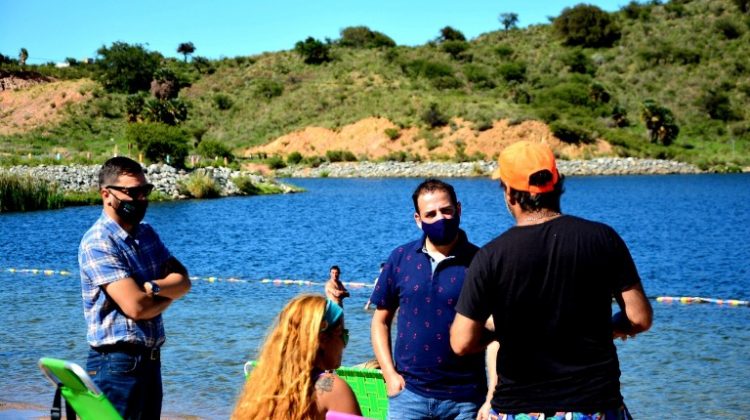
x,y
441,232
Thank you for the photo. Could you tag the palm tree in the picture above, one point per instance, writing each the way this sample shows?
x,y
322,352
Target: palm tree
x,y
22,56
186,48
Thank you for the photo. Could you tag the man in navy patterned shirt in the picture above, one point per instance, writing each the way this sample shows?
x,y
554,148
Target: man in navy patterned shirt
x,y
128,279
421,282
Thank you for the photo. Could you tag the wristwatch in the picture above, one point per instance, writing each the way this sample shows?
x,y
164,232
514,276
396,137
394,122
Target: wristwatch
x,y
155,289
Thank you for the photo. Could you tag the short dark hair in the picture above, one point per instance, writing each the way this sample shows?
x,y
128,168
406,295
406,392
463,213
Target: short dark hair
x,y
430,185
535,202
116,166
335,267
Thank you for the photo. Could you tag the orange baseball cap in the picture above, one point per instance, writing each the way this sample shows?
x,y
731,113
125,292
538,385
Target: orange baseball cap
x,y
522,159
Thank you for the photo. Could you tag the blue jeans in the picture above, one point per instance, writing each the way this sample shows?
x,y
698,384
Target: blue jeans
x,y
131,382
408,405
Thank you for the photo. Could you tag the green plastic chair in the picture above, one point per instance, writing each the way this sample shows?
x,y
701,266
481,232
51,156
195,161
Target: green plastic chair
x,y
368,386
78,389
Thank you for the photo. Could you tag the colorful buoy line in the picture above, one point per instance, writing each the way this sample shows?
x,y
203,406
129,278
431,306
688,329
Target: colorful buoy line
x,y
694,299
354,284
46,272
209,279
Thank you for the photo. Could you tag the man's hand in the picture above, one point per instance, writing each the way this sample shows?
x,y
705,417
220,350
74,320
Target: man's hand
x,y
336,291
394,383
484,411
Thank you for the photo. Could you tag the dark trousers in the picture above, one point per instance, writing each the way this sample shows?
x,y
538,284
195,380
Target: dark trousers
x,y
130,379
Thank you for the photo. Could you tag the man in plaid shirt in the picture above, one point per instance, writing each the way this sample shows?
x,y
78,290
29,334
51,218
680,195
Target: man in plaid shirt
x,y
128,278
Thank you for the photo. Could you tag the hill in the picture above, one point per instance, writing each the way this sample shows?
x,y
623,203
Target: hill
x,y
674,83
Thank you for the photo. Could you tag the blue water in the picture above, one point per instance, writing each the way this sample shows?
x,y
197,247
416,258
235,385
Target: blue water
x,y
689,236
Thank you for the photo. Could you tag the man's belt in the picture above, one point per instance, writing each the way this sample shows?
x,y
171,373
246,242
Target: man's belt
x,y
151,353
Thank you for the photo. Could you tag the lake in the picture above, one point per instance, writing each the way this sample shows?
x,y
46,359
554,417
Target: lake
x,y
688,235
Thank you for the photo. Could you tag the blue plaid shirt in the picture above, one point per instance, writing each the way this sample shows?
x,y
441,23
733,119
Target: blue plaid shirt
x,y
107,254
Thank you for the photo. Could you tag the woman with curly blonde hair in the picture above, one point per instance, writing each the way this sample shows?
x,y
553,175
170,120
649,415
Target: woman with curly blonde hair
x,y
293,379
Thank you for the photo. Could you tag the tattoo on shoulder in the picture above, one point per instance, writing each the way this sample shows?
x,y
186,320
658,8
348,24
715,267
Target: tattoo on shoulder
x,y
324,383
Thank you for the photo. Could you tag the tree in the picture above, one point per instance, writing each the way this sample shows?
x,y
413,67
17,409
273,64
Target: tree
x,y
508,20
23,55
450,34
186,48
660,123
587,26
126,68
313,51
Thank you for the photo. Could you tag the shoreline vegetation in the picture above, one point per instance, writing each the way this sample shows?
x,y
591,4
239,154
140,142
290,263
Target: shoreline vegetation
x,y
47,187
42,187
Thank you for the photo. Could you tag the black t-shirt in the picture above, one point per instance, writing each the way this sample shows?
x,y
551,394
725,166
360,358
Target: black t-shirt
x,y
549,287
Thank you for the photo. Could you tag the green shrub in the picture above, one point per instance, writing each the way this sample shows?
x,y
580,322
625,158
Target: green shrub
x,y
248,187
223,102
158,141
134,106
569,92
392,133
446,82
313,51
340,156
570,133
513,72
620,116
430,141
635,11
504,51
363,37
728,28
313,161
200,185
275,162
268,89
212,149
170,111
478,76
578,62
587,26
454,48
433,117
426,68
401,156
450,34
718,106
24,193
294,158
742,5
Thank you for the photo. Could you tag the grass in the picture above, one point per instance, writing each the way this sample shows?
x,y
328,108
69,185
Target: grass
x,y
24,193
200,185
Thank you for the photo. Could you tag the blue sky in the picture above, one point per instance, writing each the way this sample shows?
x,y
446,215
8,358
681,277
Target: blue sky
x,y
53,30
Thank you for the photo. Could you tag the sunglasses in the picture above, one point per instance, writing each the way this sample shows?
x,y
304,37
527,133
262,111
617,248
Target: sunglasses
x,y
133,192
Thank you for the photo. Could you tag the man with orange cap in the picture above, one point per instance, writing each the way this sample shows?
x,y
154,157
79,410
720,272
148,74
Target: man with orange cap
x,y
548,282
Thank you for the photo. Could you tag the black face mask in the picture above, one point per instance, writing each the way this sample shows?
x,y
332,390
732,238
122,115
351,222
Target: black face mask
x,y
443,231
131,212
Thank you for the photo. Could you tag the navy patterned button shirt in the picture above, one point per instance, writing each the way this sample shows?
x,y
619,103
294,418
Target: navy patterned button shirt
x,y
424,302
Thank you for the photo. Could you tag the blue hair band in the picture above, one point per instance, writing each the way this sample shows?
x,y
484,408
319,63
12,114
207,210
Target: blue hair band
x,y
332,315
